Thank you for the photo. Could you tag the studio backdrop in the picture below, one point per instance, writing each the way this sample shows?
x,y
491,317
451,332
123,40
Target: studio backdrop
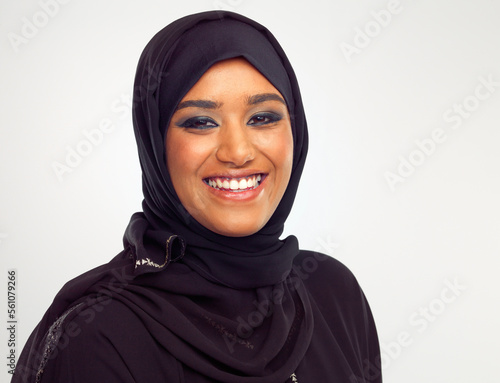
x,y
401,183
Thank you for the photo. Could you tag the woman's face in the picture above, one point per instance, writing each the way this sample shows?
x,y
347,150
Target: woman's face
x,y
229,149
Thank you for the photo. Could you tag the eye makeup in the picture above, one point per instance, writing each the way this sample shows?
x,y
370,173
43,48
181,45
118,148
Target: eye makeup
x,y
199,122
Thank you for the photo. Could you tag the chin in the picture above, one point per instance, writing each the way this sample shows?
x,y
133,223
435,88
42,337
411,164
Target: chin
x,y
236,229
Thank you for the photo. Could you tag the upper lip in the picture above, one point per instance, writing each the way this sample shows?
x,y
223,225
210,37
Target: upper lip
x,y
236,174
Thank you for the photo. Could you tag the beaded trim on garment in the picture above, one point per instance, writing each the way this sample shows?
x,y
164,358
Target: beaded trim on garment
x,y
168,254
51,341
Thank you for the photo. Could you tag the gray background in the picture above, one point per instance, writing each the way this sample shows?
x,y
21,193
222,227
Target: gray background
x,y
366,111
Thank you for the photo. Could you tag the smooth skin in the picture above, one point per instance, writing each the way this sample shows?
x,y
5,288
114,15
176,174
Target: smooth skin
x,y
232,123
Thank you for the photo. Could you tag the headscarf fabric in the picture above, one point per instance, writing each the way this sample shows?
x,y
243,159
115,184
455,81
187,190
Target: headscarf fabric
x,y
170,65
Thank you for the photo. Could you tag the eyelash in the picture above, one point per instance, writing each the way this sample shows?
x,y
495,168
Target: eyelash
x,y
191,123
202,123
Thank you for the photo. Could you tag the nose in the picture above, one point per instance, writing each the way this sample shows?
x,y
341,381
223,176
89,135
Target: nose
x,y
235,146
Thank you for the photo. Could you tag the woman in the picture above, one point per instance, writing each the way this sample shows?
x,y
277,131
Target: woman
x,y
204,290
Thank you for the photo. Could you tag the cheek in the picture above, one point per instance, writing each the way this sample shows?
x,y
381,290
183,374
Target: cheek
x,y
182,153
186,156
287,161
173,156
179,160
282,153
278,148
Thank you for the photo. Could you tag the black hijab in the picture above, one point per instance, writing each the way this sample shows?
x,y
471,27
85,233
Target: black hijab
x,y
170,65
187,286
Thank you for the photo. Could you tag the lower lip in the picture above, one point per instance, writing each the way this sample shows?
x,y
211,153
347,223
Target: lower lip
x,y
246,195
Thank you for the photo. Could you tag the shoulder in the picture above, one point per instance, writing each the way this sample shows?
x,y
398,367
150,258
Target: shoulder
x,y
109,323
339,302
318,269
78,341
100,341
333,287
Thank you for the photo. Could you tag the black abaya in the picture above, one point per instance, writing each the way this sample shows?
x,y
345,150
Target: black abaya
x,y
183,304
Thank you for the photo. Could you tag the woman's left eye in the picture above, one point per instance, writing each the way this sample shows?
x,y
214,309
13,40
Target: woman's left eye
x,y
264,119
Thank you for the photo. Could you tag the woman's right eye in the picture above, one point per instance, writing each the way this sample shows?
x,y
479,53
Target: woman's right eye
x,y
198,123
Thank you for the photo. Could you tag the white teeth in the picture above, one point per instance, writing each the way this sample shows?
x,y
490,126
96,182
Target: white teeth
x,y
234,184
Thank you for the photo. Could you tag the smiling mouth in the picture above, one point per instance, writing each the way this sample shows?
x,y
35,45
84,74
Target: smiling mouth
x,y
235,185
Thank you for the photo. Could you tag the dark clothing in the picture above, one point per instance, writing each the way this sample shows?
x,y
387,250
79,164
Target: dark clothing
x,y
124,339
184,304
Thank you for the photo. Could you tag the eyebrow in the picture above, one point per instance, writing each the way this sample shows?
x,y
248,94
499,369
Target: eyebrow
x,y
252,100
204,104
263,97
